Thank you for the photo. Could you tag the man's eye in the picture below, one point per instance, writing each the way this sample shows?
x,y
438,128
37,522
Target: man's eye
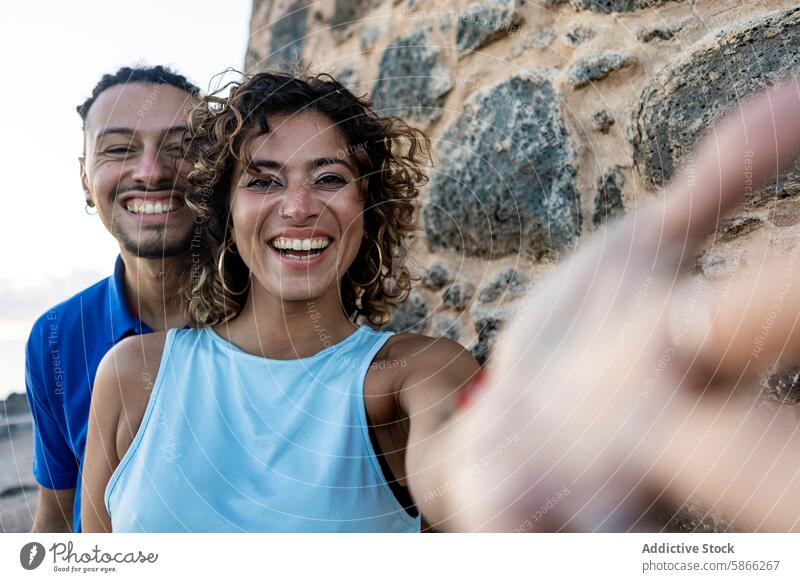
x,y
119,150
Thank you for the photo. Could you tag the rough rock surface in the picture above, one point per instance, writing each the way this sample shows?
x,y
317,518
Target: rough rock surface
x,y
458,295
608,203
597,67
288,32
685,98
349,12
602,121
410,316
508,284
437,276
483,21
412,80
487,328
579,34
506,183
614,5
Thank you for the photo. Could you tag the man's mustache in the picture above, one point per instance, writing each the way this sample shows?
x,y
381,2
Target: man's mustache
x,y
176,188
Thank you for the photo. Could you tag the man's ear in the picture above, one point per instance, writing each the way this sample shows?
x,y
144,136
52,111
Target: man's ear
x,y
85,181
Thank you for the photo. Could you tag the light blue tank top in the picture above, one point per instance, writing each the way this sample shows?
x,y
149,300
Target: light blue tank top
x,y
232,442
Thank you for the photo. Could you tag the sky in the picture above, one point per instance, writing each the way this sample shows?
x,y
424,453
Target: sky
x,y
54,52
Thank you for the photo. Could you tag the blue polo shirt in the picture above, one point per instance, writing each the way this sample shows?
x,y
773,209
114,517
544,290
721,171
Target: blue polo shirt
x,y
61,358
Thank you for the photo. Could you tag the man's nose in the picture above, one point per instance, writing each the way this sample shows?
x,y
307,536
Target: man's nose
x,y
300,204
153,167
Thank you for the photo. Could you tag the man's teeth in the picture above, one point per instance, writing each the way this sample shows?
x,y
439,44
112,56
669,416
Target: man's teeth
x,y
138,206
300,244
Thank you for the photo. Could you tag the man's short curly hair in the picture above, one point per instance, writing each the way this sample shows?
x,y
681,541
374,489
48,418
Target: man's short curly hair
x,y
157,75
390,156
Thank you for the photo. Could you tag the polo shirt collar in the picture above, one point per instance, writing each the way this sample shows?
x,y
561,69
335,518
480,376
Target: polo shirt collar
x,y
123,322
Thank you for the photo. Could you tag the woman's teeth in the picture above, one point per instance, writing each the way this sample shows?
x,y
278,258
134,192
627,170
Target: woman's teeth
x,y
310,247
138,206
299,244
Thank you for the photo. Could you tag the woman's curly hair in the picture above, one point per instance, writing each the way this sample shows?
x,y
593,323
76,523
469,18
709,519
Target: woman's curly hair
x,y
390,156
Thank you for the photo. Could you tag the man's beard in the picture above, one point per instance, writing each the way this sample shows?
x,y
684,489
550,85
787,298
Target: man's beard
x,y
153,245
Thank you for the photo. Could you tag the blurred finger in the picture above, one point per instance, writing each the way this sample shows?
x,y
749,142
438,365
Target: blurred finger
x,y
743,149
744,325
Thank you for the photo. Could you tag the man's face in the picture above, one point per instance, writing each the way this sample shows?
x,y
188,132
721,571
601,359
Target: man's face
x,y
133,170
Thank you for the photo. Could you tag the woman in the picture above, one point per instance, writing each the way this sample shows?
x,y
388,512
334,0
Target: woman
x,y
277,411
273,411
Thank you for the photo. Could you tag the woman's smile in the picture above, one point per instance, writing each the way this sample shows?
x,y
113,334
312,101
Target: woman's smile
x,y
298,252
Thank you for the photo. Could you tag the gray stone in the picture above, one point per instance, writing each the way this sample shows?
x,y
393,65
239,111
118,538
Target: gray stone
x,y
348,77
410,316
487,328
602,121
659,32
608,203
784,212
597,67
446,326
369,35
458,295
508,284
412,81
506,183
484,21
609,6
579,34
288,34
686,98
712,265
437,276
737,226
695,517
349,12
782,382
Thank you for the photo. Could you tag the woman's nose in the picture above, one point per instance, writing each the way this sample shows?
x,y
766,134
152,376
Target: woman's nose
x,y
300,204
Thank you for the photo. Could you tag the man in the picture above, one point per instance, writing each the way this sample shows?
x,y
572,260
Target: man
x,y
134,174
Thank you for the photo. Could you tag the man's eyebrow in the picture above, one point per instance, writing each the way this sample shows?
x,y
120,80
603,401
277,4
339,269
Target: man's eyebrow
x,y
115,130
129,131
319,162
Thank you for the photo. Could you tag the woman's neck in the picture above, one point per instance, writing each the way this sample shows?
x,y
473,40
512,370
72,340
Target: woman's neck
x,y
275,328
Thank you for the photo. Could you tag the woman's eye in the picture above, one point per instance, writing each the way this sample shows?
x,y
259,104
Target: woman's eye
x,y
262,183
331,180
119,150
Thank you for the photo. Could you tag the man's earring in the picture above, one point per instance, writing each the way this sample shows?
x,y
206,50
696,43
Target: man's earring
x,y
88,206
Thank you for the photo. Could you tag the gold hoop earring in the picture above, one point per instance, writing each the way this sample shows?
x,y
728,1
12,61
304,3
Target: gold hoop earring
x,y
221,269
380,266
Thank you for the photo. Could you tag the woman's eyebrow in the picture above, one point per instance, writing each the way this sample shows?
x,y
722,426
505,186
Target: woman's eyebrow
x,y
311,165
266,164
319,162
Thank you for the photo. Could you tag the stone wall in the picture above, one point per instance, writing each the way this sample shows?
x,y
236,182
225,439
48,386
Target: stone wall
x,y
549,118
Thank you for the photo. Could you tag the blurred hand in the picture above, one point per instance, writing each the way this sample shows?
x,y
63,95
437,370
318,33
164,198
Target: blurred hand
x,y
599,396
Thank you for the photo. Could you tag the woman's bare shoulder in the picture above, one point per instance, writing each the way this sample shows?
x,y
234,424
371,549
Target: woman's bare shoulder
x,y
418,350
124,382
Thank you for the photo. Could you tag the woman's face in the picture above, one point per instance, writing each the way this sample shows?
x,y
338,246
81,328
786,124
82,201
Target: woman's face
x,y
299,225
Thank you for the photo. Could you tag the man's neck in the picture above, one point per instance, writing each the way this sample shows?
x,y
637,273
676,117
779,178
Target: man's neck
x,y
152,290
283,330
